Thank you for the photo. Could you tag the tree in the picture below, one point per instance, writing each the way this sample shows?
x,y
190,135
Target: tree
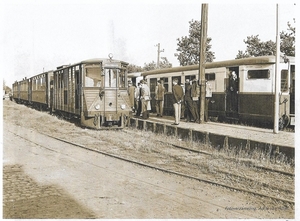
x,y
189,46
134,68
164,63
256,47
242,54
287,44
150,66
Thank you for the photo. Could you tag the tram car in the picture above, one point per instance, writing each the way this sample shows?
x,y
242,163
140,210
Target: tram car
x,y
240,90
94,91
34,91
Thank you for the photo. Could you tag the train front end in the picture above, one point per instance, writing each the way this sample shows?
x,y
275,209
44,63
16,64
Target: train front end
x,y
105,101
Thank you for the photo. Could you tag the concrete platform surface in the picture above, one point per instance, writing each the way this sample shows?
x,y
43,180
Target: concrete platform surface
x,y
219,131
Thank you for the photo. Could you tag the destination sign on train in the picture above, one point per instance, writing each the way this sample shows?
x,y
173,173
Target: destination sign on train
x,y
111,65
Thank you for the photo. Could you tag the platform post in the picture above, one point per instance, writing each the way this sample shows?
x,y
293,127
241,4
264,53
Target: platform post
x,y
277,80
202,59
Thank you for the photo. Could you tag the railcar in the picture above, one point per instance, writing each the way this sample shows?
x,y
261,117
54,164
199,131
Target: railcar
x,y
21,91
34,91
40,90
240,90
93,90
16,91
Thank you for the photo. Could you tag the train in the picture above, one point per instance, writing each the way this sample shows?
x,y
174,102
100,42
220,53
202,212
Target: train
x,y
93,91
238,90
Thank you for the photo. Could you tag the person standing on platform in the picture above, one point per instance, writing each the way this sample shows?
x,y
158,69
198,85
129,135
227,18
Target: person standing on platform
x,y
195,93
189,104
131,93
145,98
183,107
177,99
138,92
159,97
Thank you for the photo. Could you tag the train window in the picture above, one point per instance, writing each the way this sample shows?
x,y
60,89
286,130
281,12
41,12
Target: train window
x,y
93,76
65,78
60,82
34,84
210,76
111,77
153,83
122,79
190,77
292,80
259,74
284,81
40,83
165,83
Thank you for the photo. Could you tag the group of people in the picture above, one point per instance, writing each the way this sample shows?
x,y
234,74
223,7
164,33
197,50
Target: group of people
x,y
187,97
140,99
182,96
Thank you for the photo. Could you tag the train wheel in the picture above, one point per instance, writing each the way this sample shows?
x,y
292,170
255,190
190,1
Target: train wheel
x,y
284,121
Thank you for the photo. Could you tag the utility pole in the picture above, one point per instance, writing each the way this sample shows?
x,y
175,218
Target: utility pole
x,y
277,74
158,54
204,15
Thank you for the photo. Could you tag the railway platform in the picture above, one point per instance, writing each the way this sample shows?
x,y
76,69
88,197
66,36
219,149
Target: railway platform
x,y
220,135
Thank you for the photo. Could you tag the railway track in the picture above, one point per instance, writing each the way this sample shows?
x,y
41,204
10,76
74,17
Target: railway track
x,y
176,164
251,164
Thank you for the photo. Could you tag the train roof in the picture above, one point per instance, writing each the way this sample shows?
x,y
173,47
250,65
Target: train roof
x,y
134,74
95,60
92,61
218,64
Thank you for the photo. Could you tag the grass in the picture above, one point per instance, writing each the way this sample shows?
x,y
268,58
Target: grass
x,y
273,159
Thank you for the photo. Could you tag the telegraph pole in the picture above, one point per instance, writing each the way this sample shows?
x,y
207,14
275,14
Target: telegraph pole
x,y
277,74
158,54
204,15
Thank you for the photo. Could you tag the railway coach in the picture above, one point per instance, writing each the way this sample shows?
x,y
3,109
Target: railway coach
x,y
239,90
93,90
34,91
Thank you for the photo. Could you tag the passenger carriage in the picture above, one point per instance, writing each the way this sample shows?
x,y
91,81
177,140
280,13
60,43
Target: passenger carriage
x,y
93,90
238,90
21,91
39,90
16,91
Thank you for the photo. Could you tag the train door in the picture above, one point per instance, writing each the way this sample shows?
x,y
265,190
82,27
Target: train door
x,y
77,89
232,90
292,95
30,90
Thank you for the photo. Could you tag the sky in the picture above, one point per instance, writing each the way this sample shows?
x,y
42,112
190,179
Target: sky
x,y
38,36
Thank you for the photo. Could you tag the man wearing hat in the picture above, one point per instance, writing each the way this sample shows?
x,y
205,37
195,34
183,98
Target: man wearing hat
x,y
177,99
145,98
159,97
191,112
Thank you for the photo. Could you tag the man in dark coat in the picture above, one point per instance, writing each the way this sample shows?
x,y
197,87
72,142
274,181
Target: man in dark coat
x,y
159,97
189,103
177,99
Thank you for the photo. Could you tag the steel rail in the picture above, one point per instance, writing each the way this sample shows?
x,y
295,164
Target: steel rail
x,y
171,172
157,168
228,158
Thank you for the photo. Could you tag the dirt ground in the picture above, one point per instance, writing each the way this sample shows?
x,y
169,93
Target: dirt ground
x,y
169,197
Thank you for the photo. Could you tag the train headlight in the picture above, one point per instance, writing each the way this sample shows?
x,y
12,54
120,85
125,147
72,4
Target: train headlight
x,y
123,106
97,106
